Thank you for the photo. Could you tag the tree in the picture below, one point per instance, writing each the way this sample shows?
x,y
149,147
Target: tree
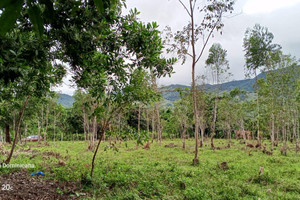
x,y
182,108
186,41
218,65
202,98
105,68
40,12
26,59
259,50
228,115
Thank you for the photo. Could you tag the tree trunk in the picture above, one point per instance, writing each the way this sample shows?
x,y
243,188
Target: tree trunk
x,y
153,122
54,125
84,123
159,129
39,131
297,134
94,132
148,121
102,132
243,132
14,122
7,134
258,113
272,131
2,136
202,129
17,129
194,89
295,125
195,160
139,119
229,134
214,124
47,120
41,124
183,136
26,128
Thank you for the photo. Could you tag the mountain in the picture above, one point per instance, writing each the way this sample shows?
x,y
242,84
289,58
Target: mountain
x,y
171,95
246,85
65,100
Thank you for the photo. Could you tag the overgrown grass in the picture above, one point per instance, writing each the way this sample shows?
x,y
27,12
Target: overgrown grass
x,y
168,173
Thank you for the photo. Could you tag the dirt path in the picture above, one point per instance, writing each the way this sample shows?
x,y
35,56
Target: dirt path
x,y
21,186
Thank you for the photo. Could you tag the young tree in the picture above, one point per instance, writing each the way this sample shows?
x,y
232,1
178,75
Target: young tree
x,y
26,61
122,45
187,41
259,50
182,108
218,65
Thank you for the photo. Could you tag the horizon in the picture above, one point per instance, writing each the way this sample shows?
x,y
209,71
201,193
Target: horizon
x,y
279,17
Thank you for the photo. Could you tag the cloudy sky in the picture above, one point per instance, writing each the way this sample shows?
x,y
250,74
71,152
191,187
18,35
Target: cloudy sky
x,y
280,16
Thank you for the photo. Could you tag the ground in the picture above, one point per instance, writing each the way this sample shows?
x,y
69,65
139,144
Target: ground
x,y
157,173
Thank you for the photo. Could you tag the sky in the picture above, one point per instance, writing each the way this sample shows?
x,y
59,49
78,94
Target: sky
x,y
281,17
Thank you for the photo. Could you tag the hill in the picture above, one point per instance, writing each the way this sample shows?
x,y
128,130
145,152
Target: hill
x,y
246,85
65,100
171,95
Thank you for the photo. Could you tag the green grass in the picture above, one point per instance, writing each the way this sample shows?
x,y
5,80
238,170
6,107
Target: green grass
x,y
168,173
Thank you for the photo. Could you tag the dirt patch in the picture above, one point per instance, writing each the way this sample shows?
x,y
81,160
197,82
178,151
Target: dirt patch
x,y
171,145
51,153
21,186
223,166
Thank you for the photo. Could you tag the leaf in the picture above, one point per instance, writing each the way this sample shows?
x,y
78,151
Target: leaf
x,y
48,13
10,14
5,3
13,52
35,13
99,5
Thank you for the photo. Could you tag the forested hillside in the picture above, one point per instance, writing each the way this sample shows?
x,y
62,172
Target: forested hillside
x,y
246,85
65,100
172,95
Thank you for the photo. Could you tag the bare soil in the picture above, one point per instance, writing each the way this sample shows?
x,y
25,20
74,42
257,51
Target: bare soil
x,y
23,186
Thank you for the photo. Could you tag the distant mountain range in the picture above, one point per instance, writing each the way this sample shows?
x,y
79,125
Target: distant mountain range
x,y
170,95
65,100
246,85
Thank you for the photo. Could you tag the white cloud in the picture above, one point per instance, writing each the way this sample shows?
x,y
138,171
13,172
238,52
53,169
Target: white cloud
x,y
267,6
282,23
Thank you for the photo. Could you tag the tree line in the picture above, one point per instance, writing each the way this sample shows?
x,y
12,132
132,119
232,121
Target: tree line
x,y
116,59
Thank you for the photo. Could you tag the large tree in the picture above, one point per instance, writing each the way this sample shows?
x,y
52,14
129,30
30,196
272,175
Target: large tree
x,y
104,51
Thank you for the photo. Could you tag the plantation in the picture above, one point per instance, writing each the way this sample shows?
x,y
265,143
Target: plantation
x,y
167,173
120,133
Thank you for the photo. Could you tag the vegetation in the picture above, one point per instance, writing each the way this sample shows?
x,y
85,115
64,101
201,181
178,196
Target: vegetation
x,y
167,173
118,139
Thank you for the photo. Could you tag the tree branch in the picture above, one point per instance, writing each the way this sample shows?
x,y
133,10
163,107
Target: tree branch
x,y
194,5
185,8
207,39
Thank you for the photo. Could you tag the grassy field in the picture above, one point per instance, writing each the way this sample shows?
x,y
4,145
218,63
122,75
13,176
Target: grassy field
x,y
167,173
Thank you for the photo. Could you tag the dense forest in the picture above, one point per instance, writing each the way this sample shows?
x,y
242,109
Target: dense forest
x,y
115,60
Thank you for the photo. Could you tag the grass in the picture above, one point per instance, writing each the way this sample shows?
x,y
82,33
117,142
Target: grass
x,y
168,173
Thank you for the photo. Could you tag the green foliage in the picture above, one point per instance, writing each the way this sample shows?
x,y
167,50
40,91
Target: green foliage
x,y
217,59
8,17
35,16
65,100
40,12
258,47
166,173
